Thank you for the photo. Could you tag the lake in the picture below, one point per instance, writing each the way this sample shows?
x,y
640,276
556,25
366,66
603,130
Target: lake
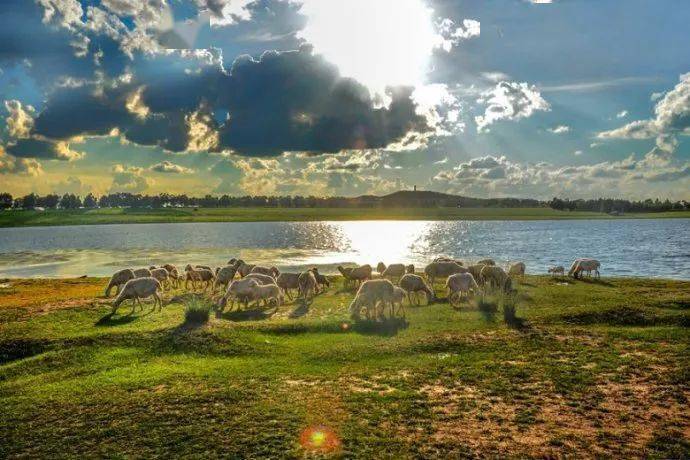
x,y
646,248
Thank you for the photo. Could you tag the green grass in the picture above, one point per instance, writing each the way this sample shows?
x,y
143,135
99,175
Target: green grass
x,y
124,216
595,368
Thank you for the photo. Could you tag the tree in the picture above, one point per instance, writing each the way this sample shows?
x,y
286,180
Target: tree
x,y
29,201
5,200
90,201
70,201
51,201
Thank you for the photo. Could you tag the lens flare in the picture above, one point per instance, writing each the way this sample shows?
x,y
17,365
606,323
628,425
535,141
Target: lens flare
x,y
320,439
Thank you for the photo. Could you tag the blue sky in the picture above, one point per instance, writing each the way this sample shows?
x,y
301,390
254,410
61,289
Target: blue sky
x,y
568,98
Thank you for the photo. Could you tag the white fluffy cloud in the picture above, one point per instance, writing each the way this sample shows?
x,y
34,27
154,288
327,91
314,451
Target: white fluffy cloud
x,y
672,118
129,179
451,34
20,120
20,166
560,129
170,168
509,101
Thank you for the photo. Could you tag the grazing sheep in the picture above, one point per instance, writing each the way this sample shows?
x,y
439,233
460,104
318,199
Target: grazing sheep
x,y
142,273
173,274
203,267
307,285
398,298
261,278
118,280
413,284
162,275
409,269
557,270
204,276
267,293
442,270
287,281
394,271
584,265
224,276
517,269
321,281
380,267
243,269
357,274
486,262
137,289
272,271
496,277
370,294
476,271
240,290
459,285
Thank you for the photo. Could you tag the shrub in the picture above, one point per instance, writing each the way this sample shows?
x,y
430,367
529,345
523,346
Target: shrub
x,y
197,311
509,304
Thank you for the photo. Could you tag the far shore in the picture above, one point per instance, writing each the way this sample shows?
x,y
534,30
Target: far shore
x,y
180,215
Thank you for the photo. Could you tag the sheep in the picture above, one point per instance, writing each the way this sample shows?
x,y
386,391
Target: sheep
x,y
287,281
162,275
272,271
442,269
496,277
357,274
173,274
412,284
307,285
321,281
240,290
137,289
142,273
243,269
224,276
370,294
409,269
394,271
584,265
261,278
476,271
557,270
202,275
517,269
486,262
267,293
398,298
203,267
118,280
380,267
460,284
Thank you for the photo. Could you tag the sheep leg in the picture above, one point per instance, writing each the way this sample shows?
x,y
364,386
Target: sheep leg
x,y
157,300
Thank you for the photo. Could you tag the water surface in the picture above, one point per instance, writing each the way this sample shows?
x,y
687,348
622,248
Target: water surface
x,y
649,248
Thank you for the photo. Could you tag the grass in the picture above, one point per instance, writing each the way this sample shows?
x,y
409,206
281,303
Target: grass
x,y
125,216
596,368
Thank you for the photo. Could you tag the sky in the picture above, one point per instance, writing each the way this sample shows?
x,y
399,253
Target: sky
x,y
500,98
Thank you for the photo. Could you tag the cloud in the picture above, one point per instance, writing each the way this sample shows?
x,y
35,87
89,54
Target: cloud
x,y
128,179
36,147
498,176
171,168
577,153
509,101
451,35
19,166
672,118
226,12
560,129
73,185
622,114
20,120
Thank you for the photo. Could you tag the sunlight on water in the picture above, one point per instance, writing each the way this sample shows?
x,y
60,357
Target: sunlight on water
x,y
656,248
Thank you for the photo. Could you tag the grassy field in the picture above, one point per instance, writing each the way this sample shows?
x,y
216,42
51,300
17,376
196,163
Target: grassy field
x,y
120,216
595,369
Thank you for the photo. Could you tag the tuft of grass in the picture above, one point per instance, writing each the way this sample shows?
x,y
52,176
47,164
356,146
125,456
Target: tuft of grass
x,y
196,311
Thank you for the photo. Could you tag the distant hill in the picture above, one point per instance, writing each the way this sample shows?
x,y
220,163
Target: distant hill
x,y
425,198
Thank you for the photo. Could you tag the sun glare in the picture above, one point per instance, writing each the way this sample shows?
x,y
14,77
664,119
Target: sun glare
x,y
379,43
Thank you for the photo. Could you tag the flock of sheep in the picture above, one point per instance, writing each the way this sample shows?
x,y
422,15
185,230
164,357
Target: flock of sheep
x,y
245,283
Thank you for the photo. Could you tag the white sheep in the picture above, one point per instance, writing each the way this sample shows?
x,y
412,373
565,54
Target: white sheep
x,y
557,270
307,285
239,289
398,298
370,295
142,273
459,285
394,271
517,269
118,280
267,293
202,275
442,270
496,277
288,281
137,289
584,265
162,275
413,284
261,278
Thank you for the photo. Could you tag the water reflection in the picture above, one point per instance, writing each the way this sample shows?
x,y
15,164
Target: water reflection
x,y
625,247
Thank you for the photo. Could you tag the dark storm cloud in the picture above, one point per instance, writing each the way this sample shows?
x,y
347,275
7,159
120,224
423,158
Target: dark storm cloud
x,y
41,149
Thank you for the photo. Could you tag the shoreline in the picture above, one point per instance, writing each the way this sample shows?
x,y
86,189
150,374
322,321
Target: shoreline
x,y
112,216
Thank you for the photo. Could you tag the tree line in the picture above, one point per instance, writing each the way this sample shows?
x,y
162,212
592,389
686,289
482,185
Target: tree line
x,y
398,199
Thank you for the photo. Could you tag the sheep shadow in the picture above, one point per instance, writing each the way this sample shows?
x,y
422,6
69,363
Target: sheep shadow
x,y
254,314
300,310
386,328
110,319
